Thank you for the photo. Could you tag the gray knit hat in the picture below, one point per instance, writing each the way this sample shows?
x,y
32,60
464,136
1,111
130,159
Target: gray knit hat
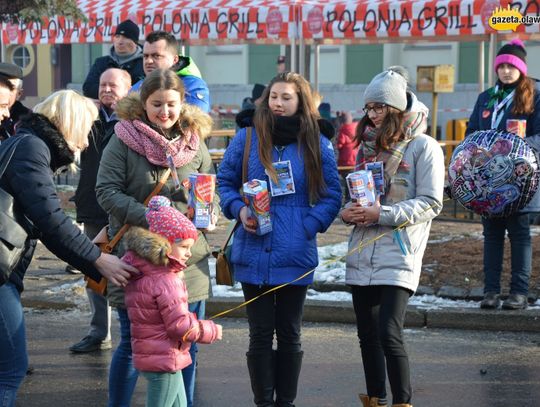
x,y
388,87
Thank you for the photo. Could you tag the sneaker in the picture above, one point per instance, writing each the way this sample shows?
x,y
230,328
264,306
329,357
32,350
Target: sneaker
x,y
515,301
490,301
71,270
90,344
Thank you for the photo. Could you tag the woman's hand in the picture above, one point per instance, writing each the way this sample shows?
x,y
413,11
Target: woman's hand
x,y
250,224
114,269
362,215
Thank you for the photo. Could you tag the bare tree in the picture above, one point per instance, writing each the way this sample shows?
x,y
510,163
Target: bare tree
x,y
35,10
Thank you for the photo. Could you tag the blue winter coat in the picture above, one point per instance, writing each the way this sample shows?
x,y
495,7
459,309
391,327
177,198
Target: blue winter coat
x,y
290,250
481,120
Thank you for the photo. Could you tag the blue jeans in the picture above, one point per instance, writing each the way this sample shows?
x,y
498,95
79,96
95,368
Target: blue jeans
x,y
165,390
190,371
123,375
13,357
520,249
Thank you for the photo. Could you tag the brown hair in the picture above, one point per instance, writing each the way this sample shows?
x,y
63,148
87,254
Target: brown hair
x,y
308,136
392,129
161,79
172,44
524,96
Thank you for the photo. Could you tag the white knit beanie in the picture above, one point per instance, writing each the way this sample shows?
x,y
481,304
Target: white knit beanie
x,y
389,88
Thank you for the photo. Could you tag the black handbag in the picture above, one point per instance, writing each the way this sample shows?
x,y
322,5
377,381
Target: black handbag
x,y
12,235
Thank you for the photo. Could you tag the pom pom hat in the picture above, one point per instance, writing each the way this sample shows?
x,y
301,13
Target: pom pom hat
x,y
169,222
389,88
514,54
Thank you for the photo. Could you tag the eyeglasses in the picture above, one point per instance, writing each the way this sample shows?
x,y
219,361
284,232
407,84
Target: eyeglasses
x,y
378,109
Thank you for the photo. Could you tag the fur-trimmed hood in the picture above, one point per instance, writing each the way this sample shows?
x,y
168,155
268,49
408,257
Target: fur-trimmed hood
x,y
40,126
149,246
191,117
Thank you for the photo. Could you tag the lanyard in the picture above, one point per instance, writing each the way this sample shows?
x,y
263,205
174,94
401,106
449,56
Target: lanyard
x,y
280,150
496,118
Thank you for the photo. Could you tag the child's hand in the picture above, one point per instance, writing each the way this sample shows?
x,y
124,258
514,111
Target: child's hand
x,y
219,334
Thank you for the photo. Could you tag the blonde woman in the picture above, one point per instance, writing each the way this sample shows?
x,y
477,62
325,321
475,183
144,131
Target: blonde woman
x,y
49,139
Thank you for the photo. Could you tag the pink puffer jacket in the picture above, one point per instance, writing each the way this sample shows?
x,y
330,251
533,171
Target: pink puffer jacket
x,y
162,328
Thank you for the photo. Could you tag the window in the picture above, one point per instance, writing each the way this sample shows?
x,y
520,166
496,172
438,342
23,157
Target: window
x,y
21,57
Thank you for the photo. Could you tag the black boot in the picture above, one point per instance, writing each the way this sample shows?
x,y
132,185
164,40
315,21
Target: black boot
x,y
261,368
288,367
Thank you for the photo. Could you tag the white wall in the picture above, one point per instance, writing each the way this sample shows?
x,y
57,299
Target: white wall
x,y
226,64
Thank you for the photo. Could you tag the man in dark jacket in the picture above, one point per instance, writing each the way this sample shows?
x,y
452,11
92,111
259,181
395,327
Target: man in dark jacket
x,y
114,84
126,54
160,52
13,74
5,91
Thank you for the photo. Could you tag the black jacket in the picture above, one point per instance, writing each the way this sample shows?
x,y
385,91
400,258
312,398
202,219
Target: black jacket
x,y
88,209
29,178
134,67
7,127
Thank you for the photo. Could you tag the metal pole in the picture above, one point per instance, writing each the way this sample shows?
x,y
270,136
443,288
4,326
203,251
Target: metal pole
x,y
491,57
182,48
316,60
302,57
481,67
293,55
434,115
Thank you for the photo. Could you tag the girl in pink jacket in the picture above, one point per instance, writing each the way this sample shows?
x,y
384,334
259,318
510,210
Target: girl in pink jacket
x,y
162,328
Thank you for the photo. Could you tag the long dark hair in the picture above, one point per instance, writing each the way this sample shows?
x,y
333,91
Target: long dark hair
x,y
308,136
392,129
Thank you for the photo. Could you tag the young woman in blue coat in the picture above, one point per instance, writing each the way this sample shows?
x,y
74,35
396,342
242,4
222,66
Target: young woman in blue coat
x,y
515,96
285,130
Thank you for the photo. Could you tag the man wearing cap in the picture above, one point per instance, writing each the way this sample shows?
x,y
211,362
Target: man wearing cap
x,y
281,64
5,91
160,52
13,74
126,54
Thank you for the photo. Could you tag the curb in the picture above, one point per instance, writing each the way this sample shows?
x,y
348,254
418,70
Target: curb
x,y
450,318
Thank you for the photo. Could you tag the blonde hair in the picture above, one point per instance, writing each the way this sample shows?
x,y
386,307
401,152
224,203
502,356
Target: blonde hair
x,y
72,114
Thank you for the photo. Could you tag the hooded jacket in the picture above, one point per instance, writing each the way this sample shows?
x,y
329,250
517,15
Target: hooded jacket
x,y
197,93
133,65
29,179
346,144
162,328
125,178
290,249
385,253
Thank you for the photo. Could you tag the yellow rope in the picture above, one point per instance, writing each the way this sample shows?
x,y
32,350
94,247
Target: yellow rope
x,y
361,245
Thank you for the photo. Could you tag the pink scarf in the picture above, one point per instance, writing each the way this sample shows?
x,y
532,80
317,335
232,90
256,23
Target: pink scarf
x,y
149,143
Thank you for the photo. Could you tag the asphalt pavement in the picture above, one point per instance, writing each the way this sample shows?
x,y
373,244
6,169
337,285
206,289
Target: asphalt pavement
x,y
449,368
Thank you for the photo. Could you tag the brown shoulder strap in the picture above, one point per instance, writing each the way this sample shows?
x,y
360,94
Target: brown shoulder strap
x,y
247,148
157,189
245,161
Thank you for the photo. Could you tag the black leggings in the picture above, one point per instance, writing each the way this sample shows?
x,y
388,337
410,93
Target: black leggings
x,y
380,314
280,311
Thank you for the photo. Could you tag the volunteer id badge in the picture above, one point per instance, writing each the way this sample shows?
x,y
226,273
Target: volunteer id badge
x,y
285,185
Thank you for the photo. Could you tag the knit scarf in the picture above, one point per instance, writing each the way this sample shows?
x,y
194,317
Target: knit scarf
x,y
367,151
144,140
286,129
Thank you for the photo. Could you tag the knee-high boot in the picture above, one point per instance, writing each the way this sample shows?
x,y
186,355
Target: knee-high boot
x,y
261,368
288,367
